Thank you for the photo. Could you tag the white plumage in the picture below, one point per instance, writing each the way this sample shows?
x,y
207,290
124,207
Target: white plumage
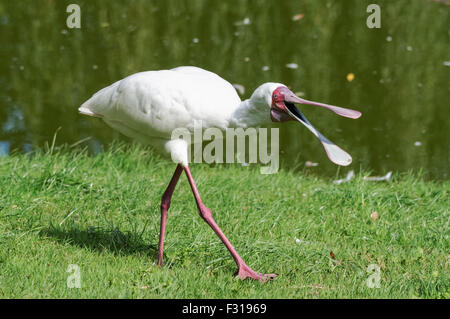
x,y
148,106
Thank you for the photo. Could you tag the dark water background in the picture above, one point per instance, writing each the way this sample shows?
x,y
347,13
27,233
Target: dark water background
x,y
401,70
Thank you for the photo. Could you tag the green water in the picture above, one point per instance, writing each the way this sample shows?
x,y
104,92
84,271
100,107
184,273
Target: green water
x,y
401,70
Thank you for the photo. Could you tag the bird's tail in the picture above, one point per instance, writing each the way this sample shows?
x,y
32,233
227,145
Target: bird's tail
x,y
86,111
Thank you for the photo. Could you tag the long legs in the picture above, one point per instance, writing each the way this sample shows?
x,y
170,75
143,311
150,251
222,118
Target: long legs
x,y
243,270
165,205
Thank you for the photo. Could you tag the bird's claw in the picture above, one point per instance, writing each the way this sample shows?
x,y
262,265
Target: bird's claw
x,y
245,272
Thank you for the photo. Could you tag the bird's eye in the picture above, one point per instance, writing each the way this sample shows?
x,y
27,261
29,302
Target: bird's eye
x,y
275,96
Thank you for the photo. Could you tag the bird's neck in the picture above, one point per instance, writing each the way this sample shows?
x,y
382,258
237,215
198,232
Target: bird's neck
x,y
250,114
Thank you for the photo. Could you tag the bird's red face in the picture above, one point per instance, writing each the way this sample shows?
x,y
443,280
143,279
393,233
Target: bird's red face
x,y
278,110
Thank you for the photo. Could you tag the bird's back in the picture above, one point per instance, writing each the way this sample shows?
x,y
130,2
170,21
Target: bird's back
x,y
150,105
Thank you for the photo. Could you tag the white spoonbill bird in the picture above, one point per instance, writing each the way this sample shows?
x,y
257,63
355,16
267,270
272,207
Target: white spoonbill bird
x,y
148,106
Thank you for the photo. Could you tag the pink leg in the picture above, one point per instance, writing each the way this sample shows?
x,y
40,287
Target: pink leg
x,y
165,205
244,271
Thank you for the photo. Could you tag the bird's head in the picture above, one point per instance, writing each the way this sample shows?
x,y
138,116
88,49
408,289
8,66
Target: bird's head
x,y
282,108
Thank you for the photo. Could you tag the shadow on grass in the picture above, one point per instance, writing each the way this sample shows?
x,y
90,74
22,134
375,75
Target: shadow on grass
x,y
101,240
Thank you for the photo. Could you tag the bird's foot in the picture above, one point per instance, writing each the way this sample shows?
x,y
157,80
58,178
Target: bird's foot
x,y
159,260
245,272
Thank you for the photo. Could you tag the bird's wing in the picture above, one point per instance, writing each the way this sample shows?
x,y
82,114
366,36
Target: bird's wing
x,y
154,103
197,72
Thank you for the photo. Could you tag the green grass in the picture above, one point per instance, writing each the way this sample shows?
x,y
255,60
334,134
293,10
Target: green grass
x,y
102,213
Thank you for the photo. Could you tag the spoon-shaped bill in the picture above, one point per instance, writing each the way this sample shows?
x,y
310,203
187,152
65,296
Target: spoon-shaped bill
x,y
292,98
334,152
336,109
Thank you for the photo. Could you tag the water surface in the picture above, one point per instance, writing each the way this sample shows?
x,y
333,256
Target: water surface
x,y
401,71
